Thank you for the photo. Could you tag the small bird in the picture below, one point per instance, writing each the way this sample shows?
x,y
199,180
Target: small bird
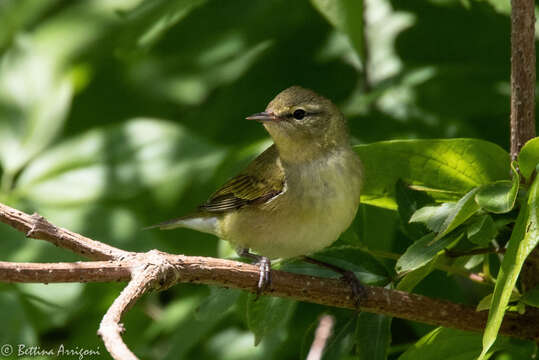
x,y
295,198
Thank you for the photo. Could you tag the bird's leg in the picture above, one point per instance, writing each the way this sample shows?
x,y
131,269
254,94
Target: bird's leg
x,y
358,290
263,263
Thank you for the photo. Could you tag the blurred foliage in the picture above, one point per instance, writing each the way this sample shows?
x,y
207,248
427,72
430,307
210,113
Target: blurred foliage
x,y
115,115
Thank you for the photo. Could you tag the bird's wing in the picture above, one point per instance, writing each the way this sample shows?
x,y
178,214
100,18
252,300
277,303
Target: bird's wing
x,y
262,180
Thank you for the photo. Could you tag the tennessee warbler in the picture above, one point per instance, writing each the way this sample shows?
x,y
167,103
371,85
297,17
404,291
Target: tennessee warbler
x,y
296,197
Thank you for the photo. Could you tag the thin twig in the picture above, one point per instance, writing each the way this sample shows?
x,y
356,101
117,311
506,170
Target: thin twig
x,y
321,336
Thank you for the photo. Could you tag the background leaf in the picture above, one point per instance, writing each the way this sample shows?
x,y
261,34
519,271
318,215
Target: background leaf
x,y
373,336
267,314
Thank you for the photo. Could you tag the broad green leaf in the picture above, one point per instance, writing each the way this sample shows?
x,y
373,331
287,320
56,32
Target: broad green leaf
x,y
409,201
531,297
414,277
529,157
423,251
117,162
523,240
34,100
446,169
434,217
373,336
217,303
499,197
267,314
445,218
451,344
481,230
346,16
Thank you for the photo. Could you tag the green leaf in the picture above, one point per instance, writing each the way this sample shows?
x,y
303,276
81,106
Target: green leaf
x,y
531,297
529,157
423,251
414,277
451,344
217,303
499,197
409,201
445,218
117,162
447,168
267,314
481,230
346,16
523,240
373,336
34,101
434,217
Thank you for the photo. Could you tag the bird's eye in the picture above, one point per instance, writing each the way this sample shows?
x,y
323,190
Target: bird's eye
x,y
299,114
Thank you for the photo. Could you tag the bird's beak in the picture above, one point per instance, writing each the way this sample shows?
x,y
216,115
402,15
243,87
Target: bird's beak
x,y
263,117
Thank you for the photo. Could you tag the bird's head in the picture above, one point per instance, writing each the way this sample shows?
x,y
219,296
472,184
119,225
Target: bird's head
x,y
303,123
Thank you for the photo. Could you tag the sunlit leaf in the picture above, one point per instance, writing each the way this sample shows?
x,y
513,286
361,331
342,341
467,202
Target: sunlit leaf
x,y
446,169
529,157
34,101
523,240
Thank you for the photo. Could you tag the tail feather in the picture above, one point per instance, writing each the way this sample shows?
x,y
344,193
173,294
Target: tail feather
x,y
199,222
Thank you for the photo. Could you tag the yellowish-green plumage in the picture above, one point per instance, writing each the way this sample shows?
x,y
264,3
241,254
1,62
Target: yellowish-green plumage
x,y
296,197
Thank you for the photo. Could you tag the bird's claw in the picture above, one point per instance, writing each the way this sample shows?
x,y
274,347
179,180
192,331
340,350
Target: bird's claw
x,y
358,290
264,264
264,280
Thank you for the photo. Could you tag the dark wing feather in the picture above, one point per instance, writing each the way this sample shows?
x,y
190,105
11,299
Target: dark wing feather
x,y
262,180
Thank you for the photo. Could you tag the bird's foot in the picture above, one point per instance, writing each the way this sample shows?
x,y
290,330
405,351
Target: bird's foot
x,y
264,264
358,290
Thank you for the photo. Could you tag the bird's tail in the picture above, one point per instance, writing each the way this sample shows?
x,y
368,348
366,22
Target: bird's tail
x,y
200,222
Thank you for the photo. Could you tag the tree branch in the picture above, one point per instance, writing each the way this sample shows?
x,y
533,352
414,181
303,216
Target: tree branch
x,y
522,74
157,270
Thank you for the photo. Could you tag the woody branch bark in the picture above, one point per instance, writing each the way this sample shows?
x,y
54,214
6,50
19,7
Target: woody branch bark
x,y
157,270
523,75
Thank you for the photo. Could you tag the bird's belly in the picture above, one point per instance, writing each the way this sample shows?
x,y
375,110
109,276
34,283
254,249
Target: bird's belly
x,y
298,224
